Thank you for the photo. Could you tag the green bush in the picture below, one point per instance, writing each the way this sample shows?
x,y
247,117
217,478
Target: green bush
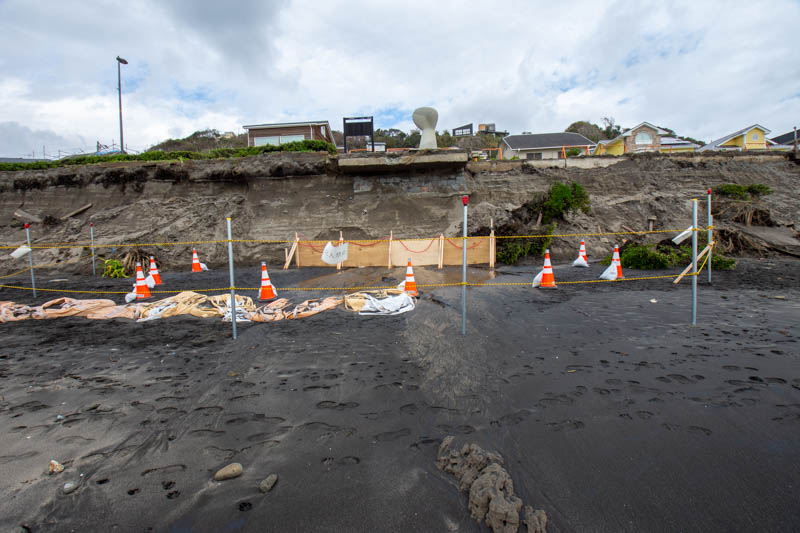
x,y
643,257
113,268
574,152
660,256
742,192
562,199
160,155
510,251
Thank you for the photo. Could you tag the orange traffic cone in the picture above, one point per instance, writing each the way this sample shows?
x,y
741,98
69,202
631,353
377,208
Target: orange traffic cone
x,y
614,270
195,262
410,285
267,290
141,286
616,260
547,281
582,260
154,271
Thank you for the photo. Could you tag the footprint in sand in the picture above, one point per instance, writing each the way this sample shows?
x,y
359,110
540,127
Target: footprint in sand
x,y
388,436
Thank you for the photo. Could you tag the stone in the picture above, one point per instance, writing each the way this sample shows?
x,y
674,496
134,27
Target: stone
x,y
535,520
69,487
268,483
228,472
56,467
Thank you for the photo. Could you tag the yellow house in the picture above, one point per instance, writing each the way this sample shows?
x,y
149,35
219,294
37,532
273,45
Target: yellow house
x,y
750,138
644,137
674,145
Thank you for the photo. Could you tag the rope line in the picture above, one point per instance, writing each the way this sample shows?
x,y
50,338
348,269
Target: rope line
x,y
368,242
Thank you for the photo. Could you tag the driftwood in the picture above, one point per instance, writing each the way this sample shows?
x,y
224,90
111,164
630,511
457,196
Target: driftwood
x,y
76,212
27,217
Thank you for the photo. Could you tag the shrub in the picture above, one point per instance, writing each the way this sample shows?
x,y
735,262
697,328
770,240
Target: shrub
x,y
574,152
160,155
742,192
510,251
643,257
112,268
562,199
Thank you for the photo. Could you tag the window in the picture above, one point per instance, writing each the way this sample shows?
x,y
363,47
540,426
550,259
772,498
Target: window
x,y
262,141
754,137
322,131
292,138
535,155
643,138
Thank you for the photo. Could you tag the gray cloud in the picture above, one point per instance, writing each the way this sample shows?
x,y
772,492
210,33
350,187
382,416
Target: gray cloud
x,y
702,68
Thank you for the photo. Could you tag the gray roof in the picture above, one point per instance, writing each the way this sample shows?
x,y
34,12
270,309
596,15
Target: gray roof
x,y
545,140
286,124
786,138
715,144
674,141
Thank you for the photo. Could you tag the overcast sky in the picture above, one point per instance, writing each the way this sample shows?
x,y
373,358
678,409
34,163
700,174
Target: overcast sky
x,y
704,69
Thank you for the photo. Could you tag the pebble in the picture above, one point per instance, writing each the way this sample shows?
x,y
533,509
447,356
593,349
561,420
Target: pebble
x,y
228,472
69,487
56,467
268,483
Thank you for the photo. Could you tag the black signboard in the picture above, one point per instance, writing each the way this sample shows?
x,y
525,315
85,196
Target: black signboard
x,y
358,127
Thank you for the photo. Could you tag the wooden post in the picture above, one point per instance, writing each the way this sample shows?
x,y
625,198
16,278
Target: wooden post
x,y
290,253
441,250
341,240
391,236
491,244
297,255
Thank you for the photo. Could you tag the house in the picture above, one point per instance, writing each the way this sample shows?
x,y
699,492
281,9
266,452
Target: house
x,y
261,134
490,129
642,138
787,139
670,145
750,138
542,145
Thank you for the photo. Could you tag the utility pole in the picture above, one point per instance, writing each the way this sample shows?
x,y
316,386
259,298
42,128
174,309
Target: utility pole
x,y
120,62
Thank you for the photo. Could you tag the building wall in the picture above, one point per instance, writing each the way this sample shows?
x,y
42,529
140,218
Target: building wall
x,y
308,133
676,149
615,148
630,141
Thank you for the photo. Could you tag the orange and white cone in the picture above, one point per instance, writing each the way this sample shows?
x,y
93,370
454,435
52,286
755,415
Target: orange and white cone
x,y
141,286
582,260
545,278
614,270
267,290
154,271
410,284
195,262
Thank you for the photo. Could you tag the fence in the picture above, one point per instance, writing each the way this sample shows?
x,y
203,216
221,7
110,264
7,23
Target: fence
x,y
438,251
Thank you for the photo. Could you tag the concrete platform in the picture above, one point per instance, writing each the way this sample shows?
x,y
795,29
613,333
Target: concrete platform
x,y
395,162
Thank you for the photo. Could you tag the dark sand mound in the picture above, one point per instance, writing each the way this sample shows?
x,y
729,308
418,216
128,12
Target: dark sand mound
x,y
610,412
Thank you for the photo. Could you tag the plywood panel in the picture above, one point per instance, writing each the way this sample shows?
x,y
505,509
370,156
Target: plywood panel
x,y
420,253
477,251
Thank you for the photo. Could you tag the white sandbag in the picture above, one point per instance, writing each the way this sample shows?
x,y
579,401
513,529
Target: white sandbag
x,y
150,282
401,286
155,312
203,267
580,262
19,252
241,315
682,236
391,305
610,273
538,279
334,255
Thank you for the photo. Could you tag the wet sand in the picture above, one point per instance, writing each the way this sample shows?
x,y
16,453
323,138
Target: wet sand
x,y
612,412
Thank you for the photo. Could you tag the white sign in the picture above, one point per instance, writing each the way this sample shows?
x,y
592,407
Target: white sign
x,y
334,254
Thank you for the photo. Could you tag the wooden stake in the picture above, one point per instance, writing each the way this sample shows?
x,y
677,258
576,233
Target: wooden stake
x,y
688,268
297,255
441,250
491,243
290,253
391,236
341,240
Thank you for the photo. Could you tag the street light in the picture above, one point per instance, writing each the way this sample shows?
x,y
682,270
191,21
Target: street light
x,y
120,61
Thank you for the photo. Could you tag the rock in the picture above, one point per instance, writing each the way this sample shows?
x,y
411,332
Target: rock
x,y
69,487
535,520
228,472
268,483
56,467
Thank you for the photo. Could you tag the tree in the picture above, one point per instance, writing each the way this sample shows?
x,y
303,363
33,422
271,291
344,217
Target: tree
x,y
587,129
612,129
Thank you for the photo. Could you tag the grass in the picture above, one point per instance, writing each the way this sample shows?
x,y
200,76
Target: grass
x,y
742,192
659,257
159,155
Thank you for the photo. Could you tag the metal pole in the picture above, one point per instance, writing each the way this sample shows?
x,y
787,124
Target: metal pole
x,y
465,201
709,235
694,261
119,87
233,290
91,232
30,257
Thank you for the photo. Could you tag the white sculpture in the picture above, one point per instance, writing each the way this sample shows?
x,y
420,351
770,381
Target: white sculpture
x,y
426,118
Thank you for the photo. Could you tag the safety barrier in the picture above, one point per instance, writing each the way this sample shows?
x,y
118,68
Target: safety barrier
x,y
439,250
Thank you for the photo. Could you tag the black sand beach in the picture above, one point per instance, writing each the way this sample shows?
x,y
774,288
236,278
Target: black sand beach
x,y
611,411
